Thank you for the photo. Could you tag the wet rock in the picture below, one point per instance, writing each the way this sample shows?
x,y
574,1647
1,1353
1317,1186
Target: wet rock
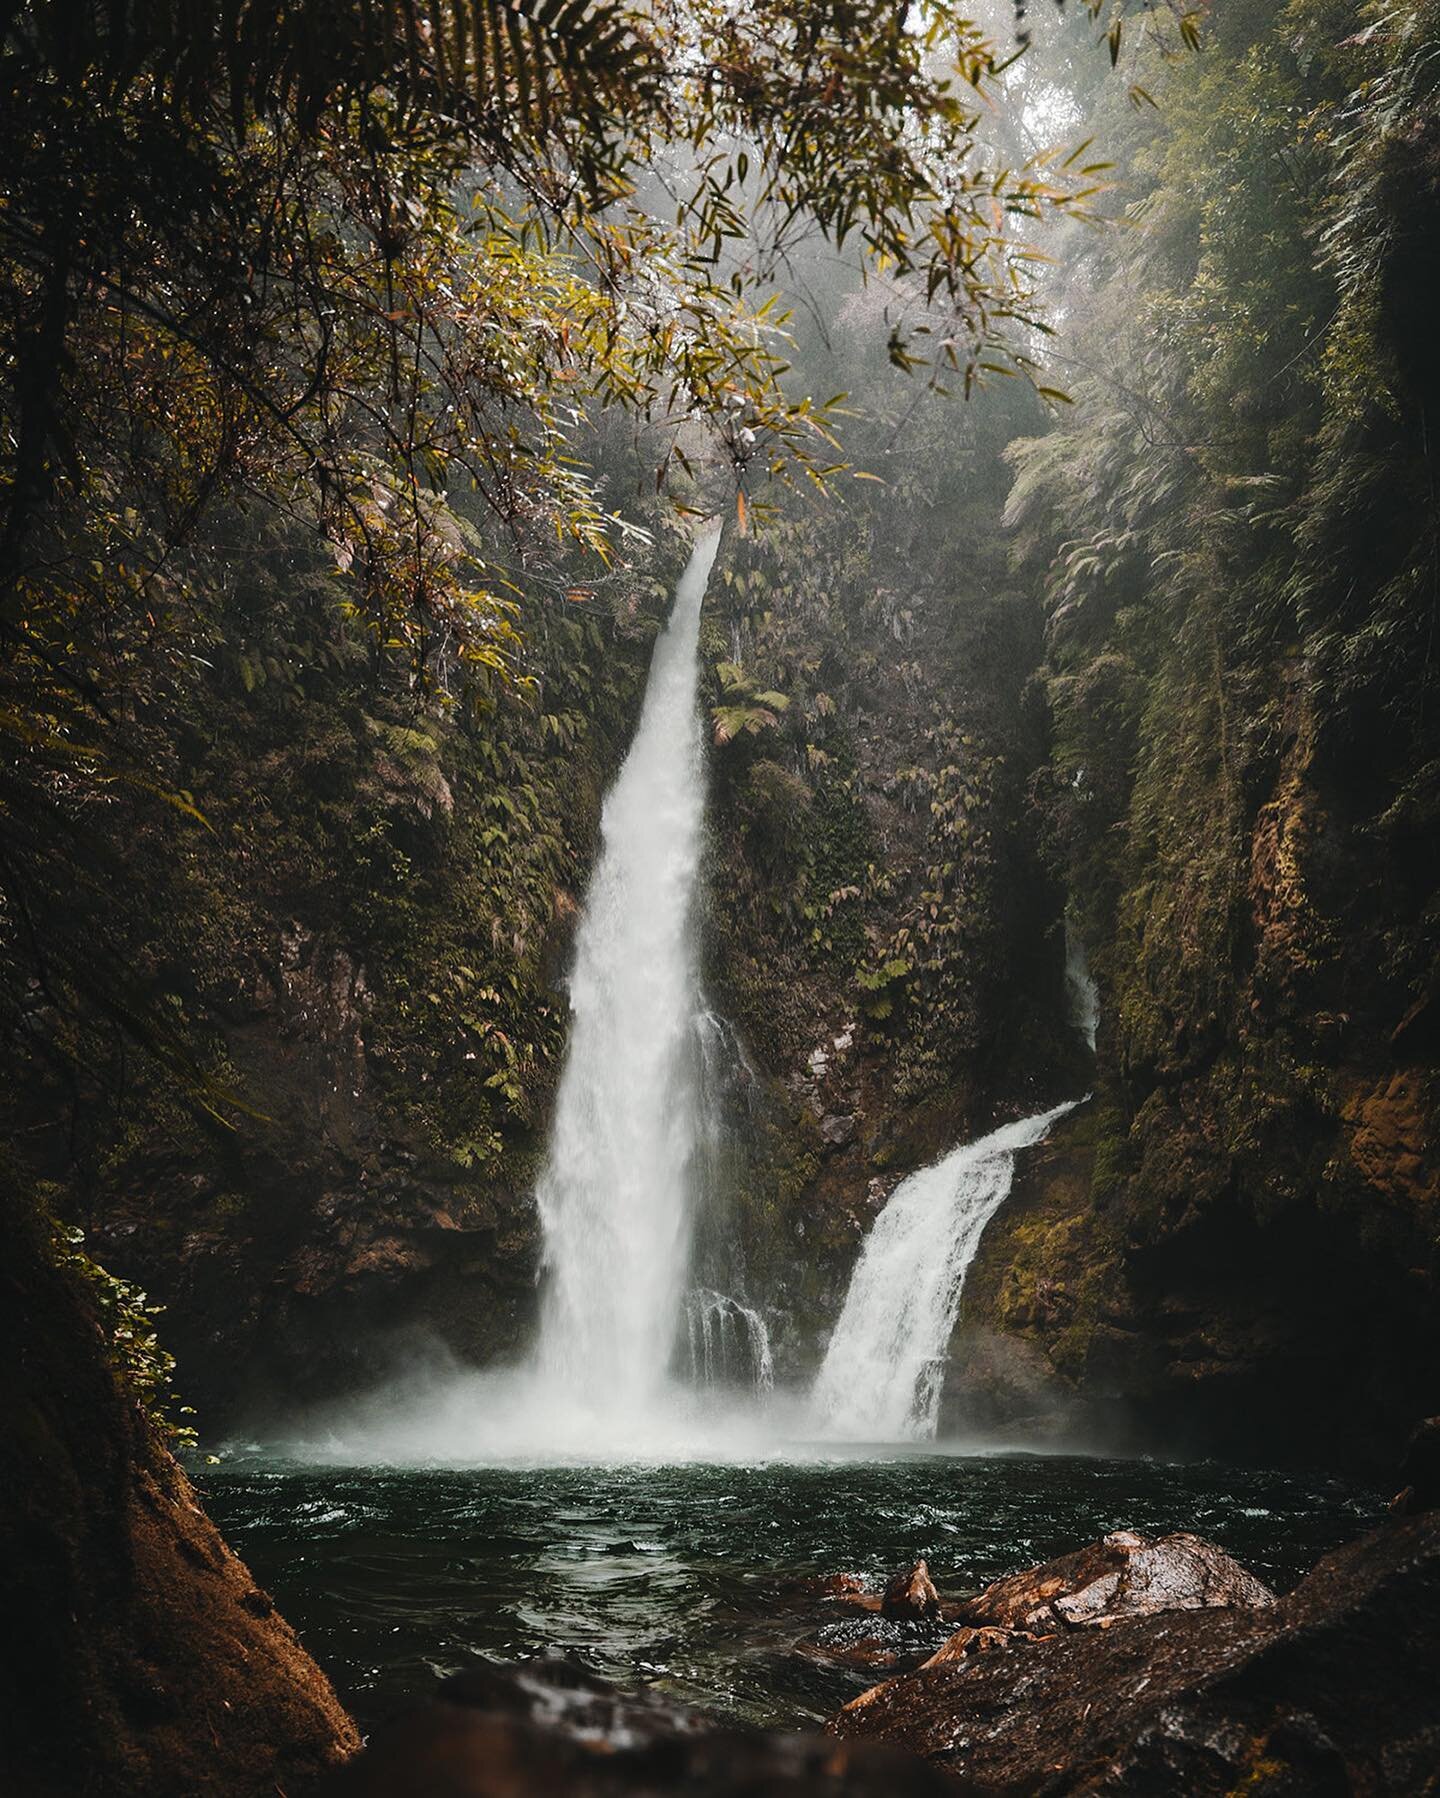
x,y
548,1728
1420,1470
138,1656
844,1585
1125,1575
971,1640
911,1597
1330,1689
837,1129
1390,1134
386,1258
870,1643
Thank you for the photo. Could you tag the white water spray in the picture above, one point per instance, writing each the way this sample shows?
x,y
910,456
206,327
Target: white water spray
x,y
639,1110
1080,984
881,1377
729,1343
614,1197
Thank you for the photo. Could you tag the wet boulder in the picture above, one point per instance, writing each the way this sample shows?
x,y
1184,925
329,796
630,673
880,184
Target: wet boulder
x,y
842,1585
1330,1689
544,1728
870,1643
911,1597
1124,1576
968,1640
847,1588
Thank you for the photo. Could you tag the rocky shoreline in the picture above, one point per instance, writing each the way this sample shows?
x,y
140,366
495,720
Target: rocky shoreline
x,y
1131,1665
1138,1666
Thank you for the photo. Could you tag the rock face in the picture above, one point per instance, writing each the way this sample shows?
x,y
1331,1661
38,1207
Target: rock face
x,y
1126,1575
899,1624
1330,1689
548,1728
1142,1316
138,1659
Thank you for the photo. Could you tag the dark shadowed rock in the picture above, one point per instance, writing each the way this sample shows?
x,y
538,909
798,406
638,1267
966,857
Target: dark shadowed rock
x,y
1125,1575
1420,1470
1331,1689
138,1659
550,1730
911,1597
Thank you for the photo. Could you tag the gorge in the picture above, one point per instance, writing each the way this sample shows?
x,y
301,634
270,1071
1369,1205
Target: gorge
x,y
718,863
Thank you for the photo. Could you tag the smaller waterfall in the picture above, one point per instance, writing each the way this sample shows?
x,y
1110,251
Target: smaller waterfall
x,y
1084,994
729,1343
881,1377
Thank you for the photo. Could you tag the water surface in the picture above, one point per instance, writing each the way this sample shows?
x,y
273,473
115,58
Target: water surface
x,y
687,1577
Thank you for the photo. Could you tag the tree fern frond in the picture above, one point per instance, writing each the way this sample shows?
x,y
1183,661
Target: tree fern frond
x,y
580,59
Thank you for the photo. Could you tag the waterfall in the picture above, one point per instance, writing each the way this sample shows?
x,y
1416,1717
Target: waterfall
x,y
614,1197
881,1377
1084,994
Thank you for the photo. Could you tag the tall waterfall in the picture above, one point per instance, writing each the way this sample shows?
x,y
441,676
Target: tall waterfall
x,y
614,1195
881,1377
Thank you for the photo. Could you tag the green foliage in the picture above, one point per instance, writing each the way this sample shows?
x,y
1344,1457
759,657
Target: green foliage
x,y
744,706
385,276
865,836
126,1316
1235,530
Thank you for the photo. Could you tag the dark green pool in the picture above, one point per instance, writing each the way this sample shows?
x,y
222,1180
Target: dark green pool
x,y
683,1576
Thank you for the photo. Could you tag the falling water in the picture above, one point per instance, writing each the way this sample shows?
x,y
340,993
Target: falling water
x,y
614,1195
728,1343
881,1377
1084,994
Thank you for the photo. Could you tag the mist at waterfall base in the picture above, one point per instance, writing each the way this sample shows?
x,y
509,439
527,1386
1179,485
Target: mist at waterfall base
x,y
637,1359
641,1492
716,1398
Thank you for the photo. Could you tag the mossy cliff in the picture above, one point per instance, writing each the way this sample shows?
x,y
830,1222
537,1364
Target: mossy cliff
x,y
879,924
1162,662
347,978
1238,1246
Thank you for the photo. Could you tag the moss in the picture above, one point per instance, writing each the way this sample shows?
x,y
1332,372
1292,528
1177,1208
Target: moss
x,y
1114,1154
